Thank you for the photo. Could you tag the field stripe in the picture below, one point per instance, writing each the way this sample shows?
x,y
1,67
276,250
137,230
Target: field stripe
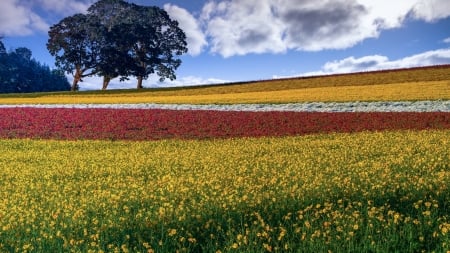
x,y
136,124
389,106
411,91
382,191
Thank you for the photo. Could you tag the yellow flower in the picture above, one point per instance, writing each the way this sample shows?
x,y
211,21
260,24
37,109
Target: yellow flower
x,y
172,232
307,224
282,234
27,247
124,248
267,247
444,228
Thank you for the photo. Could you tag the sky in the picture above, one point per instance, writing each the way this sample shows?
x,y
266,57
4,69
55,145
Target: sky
x,y
243,40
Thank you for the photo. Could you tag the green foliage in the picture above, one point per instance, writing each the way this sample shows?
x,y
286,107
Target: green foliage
x,y
20,73
70,43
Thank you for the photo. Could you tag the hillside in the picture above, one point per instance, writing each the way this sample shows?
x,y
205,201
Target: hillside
x,y
425,83
160,178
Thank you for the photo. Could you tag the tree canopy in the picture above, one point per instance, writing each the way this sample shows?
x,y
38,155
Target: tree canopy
x,y
72,47
19,73
118,39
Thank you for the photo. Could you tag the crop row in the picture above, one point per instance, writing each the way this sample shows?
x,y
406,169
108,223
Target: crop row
x,y
135,124
360,192
388,106
421,80
413,91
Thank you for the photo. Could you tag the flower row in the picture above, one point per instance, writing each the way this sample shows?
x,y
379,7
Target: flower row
x,y
357,106
138,124
360,192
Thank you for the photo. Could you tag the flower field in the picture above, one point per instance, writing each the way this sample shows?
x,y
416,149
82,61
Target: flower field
x,y
136,124
428,83
100,172
360,192
432,90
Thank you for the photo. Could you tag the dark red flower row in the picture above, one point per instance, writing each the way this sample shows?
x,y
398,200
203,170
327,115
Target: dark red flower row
x,y
139,124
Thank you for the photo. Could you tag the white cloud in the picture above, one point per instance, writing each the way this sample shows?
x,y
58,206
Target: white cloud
x,y
239,27
385,14
65,7
431,10
446,40
18,20
435,57
22,18
195,38
95,82
352,64
379,62
186,81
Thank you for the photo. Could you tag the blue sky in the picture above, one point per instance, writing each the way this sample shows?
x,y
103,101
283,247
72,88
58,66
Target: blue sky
x,y
238,40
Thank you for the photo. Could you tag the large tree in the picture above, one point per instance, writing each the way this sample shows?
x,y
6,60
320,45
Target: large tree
x,y
108,21
145,39
116,38
70,42
155,42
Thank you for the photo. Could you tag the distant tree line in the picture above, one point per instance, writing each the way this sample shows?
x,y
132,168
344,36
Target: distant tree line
x,y
20,73
117,39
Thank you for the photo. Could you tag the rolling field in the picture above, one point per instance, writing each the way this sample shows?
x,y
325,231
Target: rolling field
x,y
432,83
163,180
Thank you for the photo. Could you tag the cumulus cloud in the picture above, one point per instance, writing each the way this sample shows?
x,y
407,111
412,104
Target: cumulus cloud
x,y
17,19
239,27
352,64
379,62
194,35
431,10
435,57
21,18
322,25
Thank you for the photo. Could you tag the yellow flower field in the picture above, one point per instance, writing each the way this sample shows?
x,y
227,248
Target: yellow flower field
x,y
372,192
433,90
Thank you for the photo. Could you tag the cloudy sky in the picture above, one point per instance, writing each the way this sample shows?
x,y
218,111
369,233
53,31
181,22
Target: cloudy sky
x,y
235,40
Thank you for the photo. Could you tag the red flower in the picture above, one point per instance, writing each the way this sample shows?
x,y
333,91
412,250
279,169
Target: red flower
x,y
140,124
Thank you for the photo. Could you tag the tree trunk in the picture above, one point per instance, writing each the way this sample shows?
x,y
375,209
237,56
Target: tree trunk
x,y
76,79
139,84
106,80
141,78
